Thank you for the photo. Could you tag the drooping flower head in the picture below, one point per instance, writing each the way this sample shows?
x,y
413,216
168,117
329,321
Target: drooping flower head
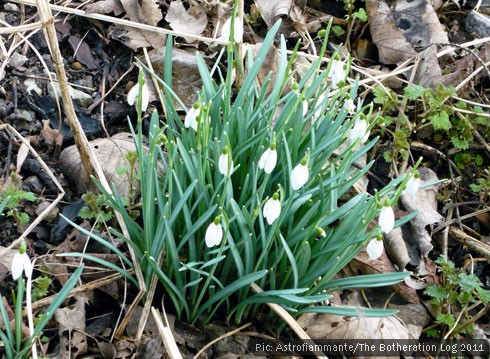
x,y
214,233
268,160
300,174
375,247
21,263
349,105
413,184
272,208
191,116
225,163
133,96
338,72
386,218
359,130
237,30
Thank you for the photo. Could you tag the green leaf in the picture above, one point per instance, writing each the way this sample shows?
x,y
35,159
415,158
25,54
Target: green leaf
x,y
349,311
445,319
413,91
436,291
460,143
440,120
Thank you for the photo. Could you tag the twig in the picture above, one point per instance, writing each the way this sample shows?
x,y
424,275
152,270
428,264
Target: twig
x,y
230,333
166,334
293,324
470,242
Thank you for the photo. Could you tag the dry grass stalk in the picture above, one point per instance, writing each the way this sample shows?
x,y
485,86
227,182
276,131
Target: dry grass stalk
x,y
167,336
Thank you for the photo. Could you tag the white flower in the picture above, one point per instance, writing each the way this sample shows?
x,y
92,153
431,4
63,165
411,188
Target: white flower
x,y
272,208
413,185
214,233
133,96
225,164
337,73
350,106
374,248
237,30
386,219
319,103
21,262
191,117
268,160
304,103
299,175
359,131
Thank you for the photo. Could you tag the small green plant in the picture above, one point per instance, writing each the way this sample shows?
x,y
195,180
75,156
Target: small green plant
x,y
15,344
253,190
457,301
12,198
95,208
482,186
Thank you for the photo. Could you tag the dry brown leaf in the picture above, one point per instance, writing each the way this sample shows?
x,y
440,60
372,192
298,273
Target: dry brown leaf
x,y
106,7
22,154
327,326
73,341
53,138
82,51
396,247
111,155
143,11
401,28
425,201
361,264
186,79
191,21
135,39
272,10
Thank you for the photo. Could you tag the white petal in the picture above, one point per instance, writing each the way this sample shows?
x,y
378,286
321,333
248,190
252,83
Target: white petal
x,y
191,118
214,234
413,185
17,266
133,96
268,160
337,73
305,107
299,176
359,131
224,167
271,210
386,219
238,30
374,248
350,106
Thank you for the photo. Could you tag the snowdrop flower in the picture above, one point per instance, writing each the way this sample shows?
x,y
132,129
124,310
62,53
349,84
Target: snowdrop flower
x,y
350,106
337,73
320,232
300,175
272,208
21,263
237,30
133,96
191,117
359,131
304,103
214,233
386,218
225,163
375,247
268,160
319,103
413,184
